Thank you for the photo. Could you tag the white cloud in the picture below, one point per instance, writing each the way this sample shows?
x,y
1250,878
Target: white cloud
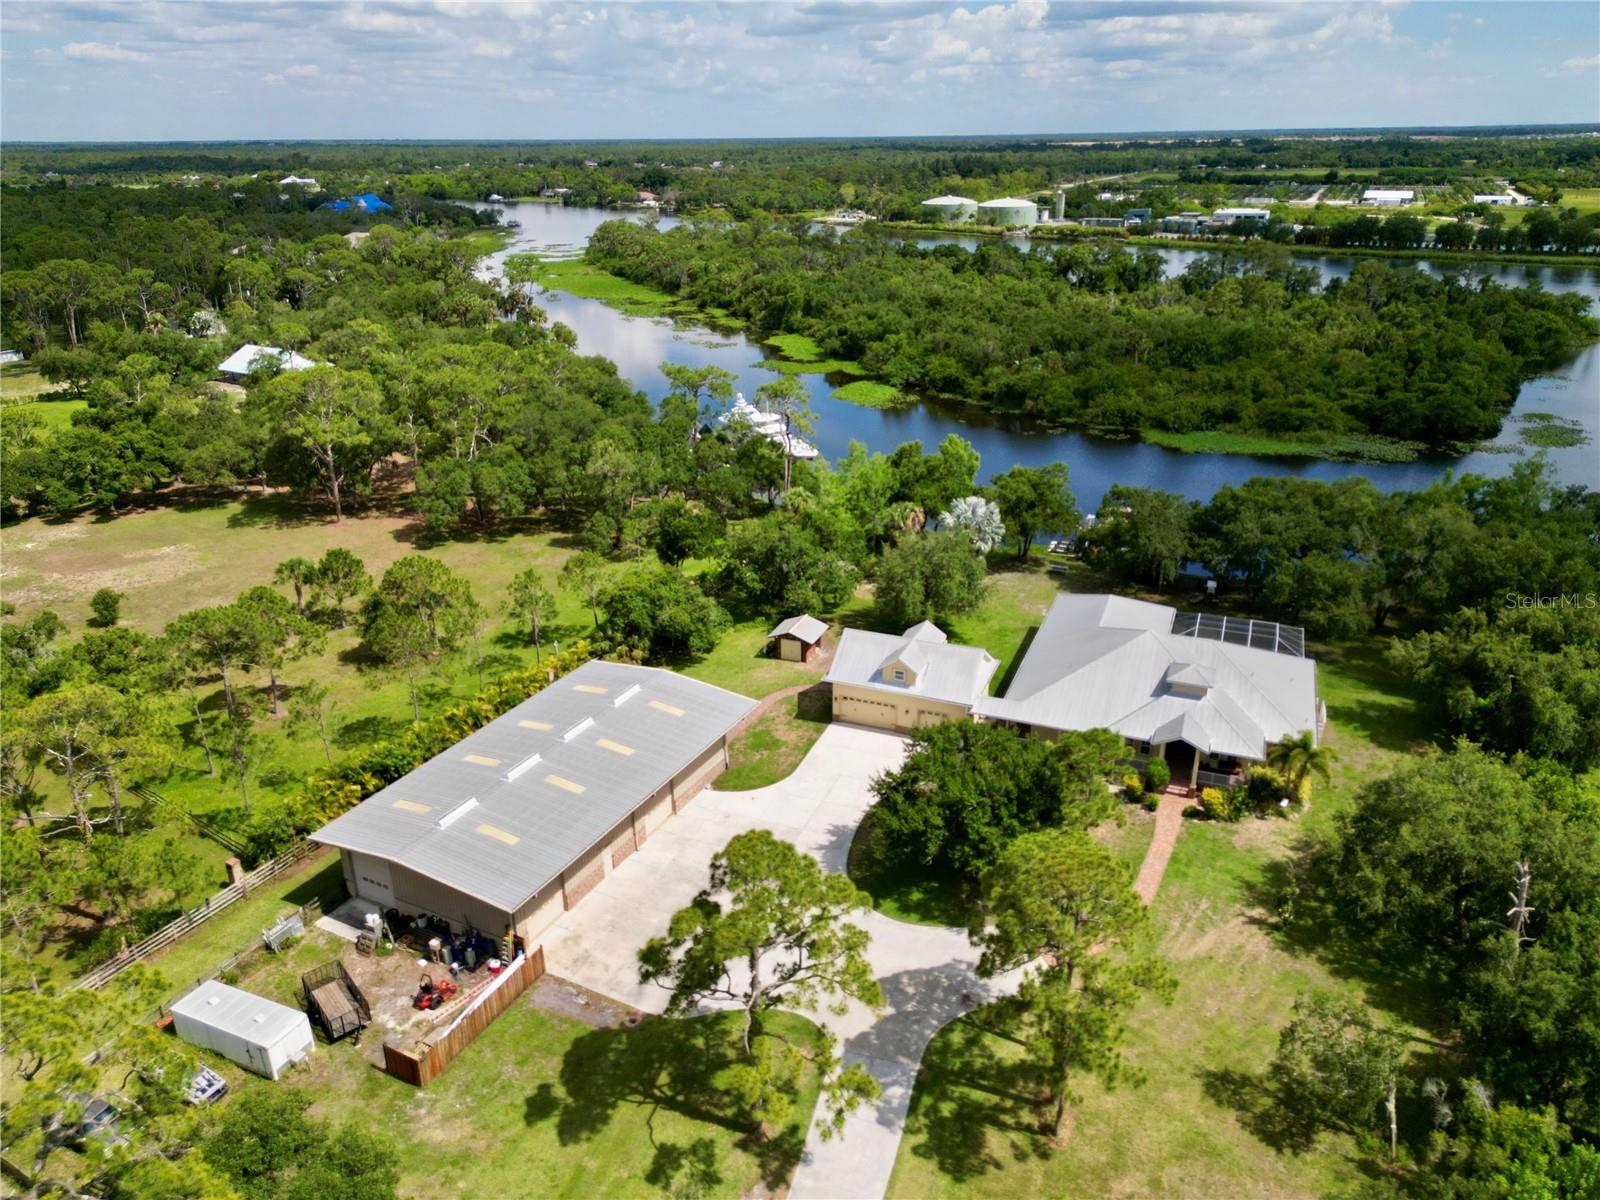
x,y
787,67
1575,66
103,52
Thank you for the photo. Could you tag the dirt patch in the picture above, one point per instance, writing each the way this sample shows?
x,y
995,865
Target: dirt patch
x,y
138,569
568,999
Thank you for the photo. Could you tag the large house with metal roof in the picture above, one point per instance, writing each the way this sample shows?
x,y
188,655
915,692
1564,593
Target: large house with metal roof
x,y
1208,693
901,682
519,820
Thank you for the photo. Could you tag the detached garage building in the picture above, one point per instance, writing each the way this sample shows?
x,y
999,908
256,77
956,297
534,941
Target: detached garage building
x,y
518,821
903,682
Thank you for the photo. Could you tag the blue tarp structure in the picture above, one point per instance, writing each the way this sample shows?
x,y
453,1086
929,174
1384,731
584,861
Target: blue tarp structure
x,y
365,202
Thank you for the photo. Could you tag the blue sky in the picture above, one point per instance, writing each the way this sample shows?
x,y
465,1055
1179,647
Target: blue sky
x,y
177,69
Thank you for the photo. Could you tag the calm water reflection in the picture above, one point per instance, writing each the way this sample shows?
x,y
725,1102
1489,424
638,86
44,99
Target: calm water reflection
x,y
639,345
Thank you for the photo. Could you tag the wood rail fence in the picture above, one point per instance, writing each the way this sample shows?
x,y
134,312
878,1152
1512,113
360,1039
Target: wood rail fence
x,y
204,826
429,1060
194,918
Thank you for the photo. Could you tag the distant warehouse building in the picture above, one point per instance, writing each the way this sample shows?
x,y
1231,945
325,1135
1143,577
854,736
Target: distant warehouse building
x,y
949,210
1389,197
1227,216
1009,212
517,822
1495,199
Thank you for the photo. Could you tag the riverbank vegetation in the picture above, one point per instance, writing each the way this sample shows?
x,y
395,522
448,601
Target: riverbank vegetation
x,y
1242,343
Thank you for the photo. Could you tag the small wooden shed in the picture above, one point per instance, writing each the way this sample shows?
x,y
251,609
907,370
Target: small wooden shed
x,y
797,639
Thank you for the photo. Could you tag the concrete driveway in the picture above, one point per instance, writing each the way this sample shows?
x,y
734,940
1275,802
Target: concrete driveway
x,y
817,808
927,973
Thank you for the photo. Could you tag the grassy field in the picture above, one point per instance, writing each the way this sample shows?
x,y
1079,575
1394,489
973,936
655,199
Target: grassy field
x,y
1341,447
871,394
567,1108
772,748
198,551
1194,1129
588,282
52,413
196,956
19,380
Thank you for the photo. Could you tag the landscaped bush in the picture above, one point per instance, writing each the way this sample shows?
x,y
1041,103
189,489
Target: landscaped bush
x,y
1157,775
1263,788
1132,787
1219,805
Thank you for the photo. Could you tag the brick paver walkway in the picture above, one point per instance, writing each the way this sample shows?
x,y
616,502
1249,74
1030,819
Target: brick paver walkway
x,y
1169,821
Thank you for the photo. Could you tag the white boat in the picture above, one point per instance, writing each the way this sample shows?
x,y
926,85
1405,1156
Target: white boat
x,y
770,426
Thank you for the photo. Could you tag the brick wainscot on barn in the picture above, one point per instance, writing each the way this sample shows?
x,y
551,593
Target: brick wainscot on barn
x,y
517,822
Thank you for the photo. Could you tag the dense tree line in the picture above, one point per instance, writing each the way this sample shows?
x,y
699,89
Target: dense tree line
x,y
1097,338
889,176
1419,871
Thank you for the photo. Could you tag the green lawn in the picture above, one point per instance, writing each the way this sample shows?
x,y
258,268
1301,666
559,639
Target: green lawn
x,y
238,927
19,380
51,412
772,748
871,394
1198,1127
907,892
1205,1123
545,1105
184,555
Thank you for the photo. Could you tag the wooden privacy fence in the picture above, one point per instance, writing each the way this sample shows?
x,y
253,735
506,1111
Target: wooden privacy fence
x,y
194,918
430,1059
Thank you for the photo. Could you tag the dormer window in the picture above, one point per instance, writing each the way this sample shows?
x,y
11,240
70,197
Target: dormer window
x,y
1188,680
898,675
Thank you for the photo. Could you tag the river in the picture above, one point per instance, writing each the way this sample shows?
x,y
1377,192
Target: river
x,y
639,345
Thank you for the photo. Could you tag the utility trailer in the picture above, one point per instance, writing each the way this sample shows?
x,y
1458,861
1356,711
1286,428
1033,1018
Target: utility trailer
x,y
334,1001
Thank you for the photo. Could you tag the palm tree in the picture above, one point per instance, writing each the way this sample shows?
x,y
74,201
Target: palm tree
x,y
1298,758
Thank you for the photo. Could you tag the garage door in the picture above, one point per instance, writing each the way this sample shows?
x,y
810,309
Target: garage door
x,y
864,712
373,880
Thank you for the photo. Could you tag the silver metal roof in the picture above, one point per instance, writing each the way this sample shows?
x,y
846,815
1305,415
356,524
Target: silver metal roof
x,y
958,674
1108,662
805,627
254,1018
508,808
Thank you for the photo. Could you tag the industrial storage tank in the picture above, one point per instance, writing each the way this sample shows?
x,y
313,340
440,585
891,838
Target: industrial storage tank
x,y
949,210
1009,211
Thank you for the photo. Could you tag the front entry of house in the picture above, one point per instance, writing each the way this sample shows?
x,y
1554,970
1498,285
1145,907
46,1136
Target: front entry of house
x,y
1181,759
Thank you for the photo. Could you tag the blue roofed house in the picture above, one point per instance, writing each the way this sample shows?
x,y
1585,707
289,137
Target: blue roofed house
x,y
364,202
